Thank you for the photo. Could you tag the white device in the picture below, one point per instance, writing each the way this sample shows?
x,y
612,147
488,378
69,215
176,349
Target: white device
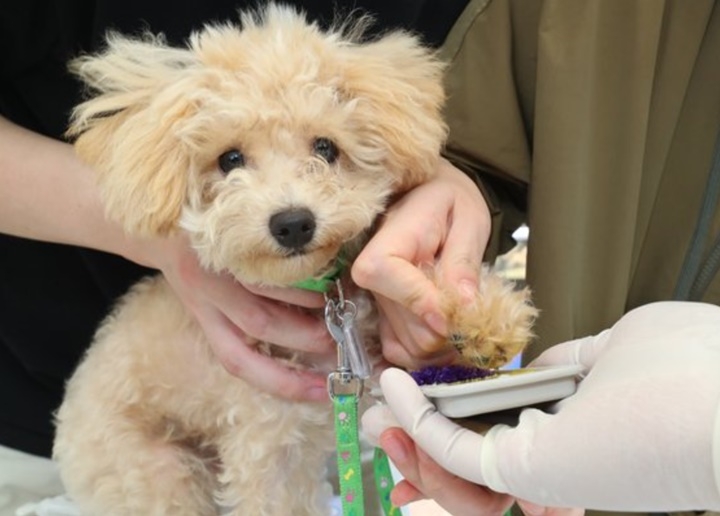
x,y
509,389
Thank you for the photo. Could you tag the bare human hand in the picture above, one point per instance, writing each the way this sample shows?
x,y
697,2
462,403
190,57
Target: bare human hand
x,y
424,478
443,224
235,317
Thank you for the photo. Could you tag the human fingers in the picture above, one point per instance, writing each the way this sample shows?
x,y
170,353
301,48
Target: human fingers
x,y
214,299
646,323
404,493
278,324
449,448
407,341
375,420
455,448
400,280
443,224
583,352
258,317
291,296
394,261
649,397
467,234
425,478
533,509
240,359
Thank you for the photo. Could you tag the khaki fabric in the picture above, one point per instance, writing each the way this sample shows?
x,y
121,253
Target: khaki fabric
x,y
595,121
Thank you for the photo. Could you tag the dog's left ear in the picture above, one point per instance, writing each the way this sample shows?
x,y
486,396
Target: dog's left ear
x,y
399,87
128,130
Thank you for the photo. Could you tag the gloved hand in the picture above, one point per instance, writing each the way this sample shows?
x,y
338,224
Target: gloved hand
x,y
641,433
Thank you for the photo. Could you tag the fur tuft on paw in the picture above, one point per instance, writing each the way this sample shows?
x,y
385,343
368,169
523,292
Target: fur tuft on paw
x,y
497,325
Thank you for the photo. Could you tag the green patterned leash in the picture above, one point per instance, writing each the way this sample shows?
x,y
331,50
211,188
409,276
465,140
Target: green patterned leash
x,y
348,455
345,386
384,482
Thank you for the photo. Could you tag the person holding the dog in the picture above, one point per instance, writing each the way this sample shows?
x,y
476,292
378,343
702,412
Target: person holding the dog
x,y
63,265
43,205
607,109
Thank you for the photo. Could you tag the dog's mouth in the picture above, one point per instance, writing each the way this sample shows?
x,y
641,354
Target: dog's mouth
x,y
294,253
307,253
316,259
283,268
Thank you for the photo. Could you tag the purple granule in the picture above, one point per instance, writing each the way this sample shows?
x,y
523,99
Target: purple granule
x,y
449,374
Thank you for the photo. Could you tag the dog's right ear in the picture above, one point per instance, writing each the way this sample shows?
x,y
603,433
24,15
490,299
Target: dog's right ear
x,y
398,84
127,130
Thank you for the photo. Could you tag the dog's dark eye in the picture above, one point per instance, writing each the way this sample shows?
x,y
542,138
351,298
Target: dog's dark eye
x,y
325,149
231,160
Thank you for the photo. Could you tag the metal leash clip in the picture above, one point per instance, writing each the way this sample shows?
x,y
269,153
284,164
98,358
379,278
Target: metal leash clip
x,y
353,362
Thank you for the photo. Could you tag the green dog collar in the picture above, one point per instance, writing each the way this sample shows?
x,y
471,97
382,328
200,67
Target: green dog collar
x,y
325,282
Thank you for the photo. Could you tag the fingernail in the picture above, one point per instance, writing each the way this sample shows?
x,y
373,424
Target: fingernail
x,y
531,509
436,322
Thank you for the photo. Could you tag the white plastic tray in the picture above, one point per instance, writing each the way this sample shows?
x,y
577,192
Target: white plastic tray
x,y
511,389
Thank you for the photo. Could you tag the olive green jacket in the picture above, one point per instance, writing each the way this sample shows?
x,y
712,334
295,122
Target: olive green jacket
x,y
595,121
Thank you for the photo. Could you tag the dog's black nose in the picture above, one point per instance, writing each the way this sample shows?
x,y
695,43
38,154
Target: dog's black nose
x,y
293,228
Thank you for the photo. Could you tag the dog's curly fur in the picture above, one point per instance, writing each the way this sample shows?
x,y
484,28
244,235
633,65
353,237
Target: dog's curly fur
x,y
151,422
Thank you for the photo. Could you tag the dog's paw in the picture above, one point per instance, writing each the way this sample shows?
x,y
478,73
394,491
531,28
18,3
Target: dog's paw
x,y
495,327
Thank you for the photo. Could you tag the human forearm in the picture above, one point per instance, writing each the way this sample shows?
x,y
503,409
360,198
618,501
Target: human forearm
x,y
47,193
506,200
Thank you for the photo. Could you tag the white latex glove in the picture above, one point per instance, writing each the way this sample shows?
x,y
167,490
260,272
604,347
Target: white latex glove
x,y
641,433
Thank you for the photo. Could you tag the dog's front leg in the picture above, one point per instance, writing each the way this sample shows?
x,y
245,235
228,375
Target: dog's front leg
x,y
277,465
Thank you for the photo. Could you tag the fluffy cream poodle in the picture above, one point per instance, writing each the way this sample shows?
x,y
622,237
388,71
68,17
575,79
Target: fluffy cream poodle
x,y
274,146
